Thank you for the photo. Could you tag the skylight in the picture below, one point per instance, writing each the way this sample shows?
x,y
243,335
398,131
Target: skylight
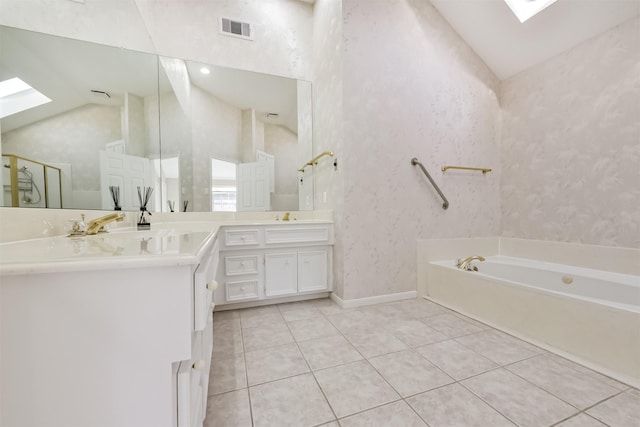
x,y
16,96
525,9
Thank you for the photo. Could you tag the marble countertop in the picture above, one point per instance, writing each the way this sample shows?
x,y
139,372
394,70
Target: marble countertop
x,y
166,244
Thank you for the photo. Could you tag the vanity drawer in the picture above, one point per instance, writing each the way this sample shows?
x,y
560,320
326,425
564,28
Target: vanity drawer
x,y
245,264
241,290
242,237
293,234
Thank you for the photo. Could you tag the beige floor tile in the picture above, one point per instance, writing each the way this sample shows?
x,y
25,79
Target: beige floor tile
x,y
331,424
227,374
451,325
561,380
269,335
455,359
420,307
260,316
295,401
373,343
298,312
409,373
354,387
593,374
274,363
455,406
517,399
414,333
227,342
226,320
622,410
474,322
327,307
388,313
581,420
315,327
393,414
229,410
353,320
329,351
499,347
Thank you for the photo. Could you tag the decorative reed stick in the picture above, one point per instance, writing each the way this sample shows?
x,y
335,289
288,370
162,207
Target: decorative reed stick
x,y
115,196
184,205
144,195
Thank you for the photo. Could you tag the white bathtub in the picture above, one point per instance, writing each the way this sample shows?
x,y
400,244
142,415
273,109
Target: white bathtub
x,y
590,316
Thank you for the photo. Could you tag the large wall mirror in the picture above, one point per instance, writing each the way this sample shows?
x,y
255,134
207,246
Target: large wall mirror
x,y
86,124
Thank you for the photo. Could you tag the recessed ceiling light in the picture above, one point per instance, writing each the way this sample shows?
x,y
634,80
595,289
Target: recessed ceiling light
x,y
205,70
525,9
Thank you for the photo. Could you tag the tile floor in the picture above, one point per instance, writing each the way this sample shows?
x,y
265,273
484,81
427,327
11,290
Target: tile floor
x,y
406,363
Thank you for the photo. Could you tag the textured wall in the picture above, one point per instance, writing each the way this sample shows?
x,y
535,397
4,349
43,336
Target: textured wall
x,y
281,45
328,121
571,144
73,137
283,29
412,87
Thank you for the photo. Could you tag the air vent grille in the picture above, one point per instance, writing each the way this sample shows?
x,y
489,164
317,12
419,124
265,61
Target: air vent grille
x,y
232,27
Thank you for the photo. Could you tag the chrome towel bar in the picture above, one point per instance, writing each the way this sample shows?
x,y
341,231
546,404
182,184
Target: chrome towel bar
x,y
414,162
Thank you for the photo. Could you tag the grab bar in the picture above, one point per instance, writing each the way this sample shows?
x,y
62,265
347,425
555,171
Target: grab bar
x,y
483,170
414,162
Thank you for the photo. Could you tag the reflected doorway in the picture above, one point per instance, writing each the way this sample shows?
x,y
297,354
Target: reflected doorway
x,y
224,186
168,180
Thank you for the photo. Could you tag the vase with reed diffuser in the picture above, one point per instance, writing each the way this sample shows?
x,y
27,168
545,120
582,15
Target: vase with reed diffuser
x,y
115,196
144,195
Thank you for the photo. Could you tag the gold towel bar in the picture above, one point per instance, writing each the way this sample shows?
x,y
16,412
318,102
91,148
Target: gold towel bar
x,y
484,170
314,161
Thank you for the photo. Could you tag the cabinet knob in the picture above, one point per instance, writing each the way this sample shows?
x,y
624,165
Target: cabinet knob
x,y
198,366
241,237
212,285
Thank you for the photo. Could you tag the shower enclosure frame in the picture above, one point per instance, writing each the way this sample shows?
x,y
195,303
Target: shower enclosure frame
x,y
15,184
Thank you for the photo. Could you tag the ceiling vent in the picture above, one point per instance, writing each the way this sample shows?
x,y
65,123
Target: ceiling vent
x,y
231,27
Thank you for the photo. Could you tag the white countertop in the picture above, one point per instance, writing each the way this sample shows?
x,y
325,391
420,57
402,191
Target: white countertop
x,y
166,244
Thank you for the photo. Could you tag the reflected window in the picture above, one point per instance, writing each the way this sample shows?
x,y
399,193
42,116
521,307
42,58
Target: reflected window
x,y
223,186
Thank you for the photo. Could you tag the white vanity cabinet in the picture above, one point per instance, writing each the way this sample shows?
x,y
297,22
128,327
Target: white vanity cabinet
x,y
264,262
124,345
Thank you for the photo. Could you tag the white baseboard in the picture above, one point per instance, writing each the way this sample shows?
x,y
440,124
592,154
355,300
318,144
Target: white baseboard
x,y
378,299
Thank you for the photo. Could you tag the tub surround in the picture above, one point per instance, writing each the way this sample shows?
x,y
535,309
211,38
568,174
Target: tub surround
x,y
602,337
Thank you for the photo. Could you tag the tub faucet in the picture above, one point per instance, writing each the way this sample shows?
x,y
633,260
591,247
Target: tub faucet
x,y
466,263
96,225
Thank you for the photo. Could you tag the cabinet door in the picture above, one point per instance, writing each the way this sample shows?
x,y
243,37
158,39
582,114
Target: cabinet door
x,y
312,271
281,274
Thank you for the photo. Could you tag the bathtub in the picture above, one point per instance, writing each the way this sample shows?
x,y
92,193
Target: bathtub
x,y
589,316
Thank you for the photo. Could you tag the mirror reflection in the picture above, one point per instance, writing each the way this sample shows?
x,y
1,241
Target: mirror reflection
x,y
236,138
204,137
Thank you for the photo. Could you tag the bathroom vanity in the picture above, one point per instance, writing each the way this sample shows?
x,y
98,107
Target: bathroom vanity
x,y
116,329
259,263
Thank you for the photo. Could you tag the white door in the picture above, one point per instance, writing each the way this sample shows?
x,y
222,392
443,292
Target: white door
x,y
126,172
270,160
281,274
253,187
312,271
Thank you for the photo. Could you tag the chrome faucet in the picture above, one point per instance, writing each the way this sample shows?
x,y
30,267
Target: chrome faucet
x,y
96,225
466,263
